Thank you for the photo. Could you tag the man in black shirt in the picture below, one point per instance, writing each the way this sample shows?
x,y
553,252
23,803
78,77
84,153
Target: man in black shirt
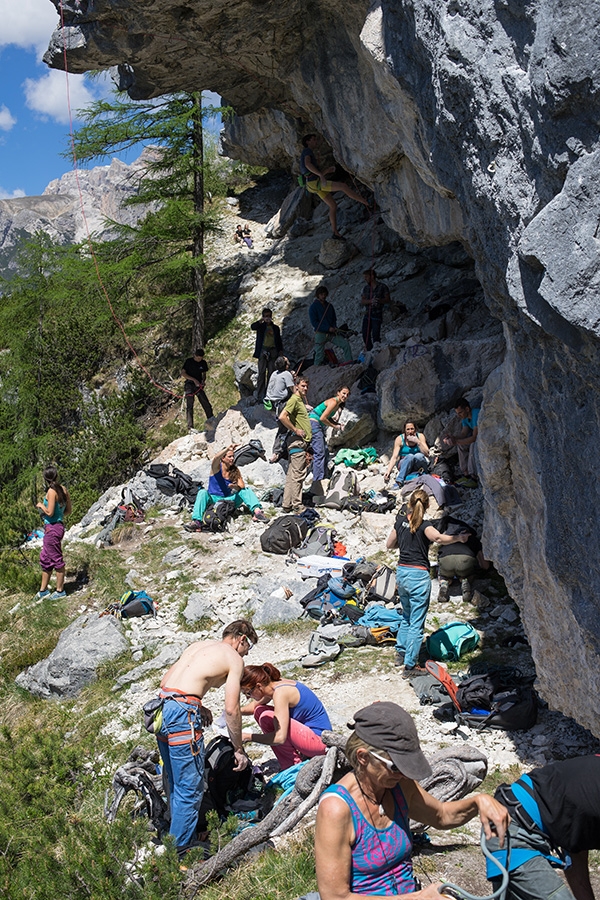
x,y
554,810
194,371
267,348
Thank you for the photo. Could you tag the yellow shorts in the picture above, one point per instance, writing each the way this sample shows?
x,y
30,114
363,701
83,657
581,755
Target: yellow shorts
x,y
319,187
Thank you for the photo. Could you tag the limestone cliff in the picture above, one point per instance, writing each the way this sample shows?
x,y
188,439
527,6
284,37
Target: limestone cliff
x,y
470,121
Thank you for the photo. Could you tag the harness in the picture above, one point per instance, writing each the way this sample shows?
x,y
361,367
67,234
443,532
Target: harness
x,y
192,735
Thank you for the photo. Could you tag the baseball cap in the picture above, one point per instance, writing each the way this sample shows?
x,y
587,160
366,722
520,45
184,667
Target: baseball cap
x,y
386,726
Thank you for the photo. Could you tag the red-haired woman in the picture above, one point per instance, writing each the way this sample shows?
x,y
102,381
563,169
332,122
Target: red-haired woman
x,y
293,724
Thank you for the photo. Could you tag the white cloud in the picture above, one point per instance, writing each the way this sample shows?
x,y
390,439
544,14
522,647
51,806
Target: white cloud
x,y
27,23
48,95
6,195
7,120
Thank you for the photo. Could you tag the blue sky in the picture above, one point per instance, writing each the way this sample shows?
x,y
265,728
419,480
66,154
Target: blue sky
x,y
34,112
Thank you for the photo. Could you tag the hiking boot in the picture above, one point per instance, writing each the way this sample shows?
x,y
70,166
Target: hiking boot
x,y
413,672
399,659
57,595
258,515
194,525
443,592
467,590
42,594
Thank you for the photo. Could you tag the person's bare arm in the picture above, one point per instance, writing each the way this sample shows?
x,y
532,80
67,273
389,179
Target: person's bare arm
x,y
392,540
329,410
432,534
313,168
333,856
428,809
233,714
578,876
423,447
392,462
483,562
469,439
50,506
218,459
284,418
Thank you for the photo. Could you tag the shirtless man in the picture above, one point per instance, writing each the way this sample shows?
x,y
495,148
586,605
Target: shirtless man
x,y
203,665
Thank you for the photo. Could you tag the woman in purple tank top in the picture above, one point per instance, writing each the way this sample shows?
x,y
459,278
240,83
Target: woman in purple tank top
x,y
363,845
290,716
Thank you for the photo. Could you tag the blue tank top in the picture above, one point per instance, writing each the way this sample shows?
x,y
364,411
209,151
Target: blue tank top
x,y
381,857
309,710
219,486
57,515
318,411
409,451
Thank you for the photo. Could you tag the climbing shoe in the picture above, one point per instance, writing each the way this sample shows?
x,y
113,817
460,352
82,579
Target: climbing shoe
x,y
194,525
399,659
443,592
258,515
467,590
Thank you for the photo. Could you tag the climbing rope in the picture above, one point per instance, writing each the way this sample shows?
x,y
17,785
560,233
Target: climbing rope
x,y
448,889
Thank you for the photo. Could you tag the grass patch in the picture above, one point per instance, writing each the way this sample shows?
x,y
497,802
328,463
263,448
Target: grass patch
x,y
296,626
500,776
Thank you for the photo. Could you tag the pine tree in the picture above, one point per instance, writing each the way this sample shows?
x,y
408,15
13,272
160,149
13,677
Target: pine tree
x,y
172,181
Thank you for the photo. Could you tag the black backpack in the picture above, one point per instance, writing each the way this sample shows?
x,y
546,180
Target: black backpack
x,y
221,784
283,534
249,453
500,700
216,518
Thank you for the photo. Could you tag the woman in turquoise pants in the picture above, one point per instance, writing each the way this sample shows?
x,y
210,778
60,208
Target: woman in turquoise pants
x,y
412,534
225,483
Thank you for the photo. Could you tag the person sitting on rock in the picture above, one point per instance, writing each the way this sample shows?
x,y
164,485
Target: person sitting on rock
x,y
315,180
412,450
247,236
465,442
290,716
375,296
323,319
225,482
320,419
238,235
459,560
279,391
555,822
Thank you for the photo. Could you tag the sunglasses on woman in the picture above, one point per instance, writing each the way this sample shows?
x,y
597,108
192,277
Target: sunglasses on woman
x,y
386,762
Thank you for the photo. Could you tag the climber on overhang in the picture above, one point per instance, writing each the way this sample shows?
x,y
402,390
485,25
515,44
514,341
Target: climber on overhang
x,y
315,181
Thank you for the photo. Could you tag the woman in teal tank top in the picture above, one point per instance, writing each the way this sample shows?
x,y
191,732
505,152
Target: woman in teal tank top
x,y
55,505
320,419
363,844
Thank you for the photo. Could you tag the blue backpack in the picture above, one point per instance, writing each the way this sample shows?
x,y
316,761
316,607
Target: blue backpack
x,y
452,641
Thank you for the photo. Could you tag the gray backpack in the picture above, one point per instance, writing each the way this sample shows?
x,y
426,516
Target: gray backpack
x,y
343,484
382,585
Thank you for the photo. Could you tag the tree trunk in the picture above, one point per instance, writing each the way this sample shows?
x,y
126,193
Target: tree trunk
x,y
198,269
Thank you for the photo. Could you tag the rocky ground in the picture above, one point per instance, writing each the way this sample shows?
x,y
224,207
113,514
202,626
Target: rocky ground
x,y
202,581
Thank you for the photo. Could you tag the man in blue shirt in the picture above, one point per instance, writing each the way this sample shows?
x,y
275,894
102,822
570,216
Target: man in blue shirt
x,y
465,442
323,319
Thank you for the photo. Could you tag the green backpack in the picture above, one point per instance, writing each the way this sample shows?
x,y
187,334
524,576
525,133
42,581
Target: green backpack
x,y
452,641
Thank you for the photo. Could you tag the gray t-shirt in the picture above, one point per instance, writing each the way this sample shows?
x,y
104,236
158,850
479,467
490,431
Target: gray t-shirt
x,y
279,382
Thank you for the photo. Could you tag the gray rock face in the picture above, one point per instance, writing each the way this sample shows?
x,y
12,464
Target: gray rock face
x,y
58,212
88,642
478,124
426,379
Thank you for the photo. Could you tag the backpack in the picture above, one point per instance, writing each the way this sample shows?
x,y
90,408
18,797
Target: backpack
x,y
489,701
383,585
221,784
361,570
452,641
249,453
132,605
216,518
343,484
318,542
283,534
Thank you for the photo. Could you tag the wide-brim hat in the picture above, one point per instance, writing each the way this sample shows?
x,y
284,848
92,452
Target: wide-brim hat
x,y
386,726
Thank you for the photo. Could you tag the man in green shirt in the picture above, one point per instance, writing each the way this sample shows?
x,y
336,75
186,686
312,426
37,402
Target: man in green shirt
x,y
295,418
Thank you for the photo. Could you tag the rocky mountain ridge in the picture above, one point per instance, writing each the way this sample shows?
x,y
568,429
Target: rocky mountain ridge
x,y
79,204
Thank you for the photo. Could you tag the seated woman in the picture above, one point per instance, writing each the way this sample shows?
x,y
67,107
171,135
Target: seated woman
x,y
320,419
363,845
413,451
459,560
225,482
293,724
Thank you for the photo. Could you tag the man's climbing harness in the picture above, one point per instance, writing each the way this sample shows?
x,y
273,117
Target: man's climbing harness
x,y
454,891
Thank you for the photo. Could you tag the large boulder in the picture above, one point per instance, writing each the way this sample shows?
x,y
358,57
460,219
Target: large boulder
x,y
426,379
334,254
358,421
88,642
297,204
